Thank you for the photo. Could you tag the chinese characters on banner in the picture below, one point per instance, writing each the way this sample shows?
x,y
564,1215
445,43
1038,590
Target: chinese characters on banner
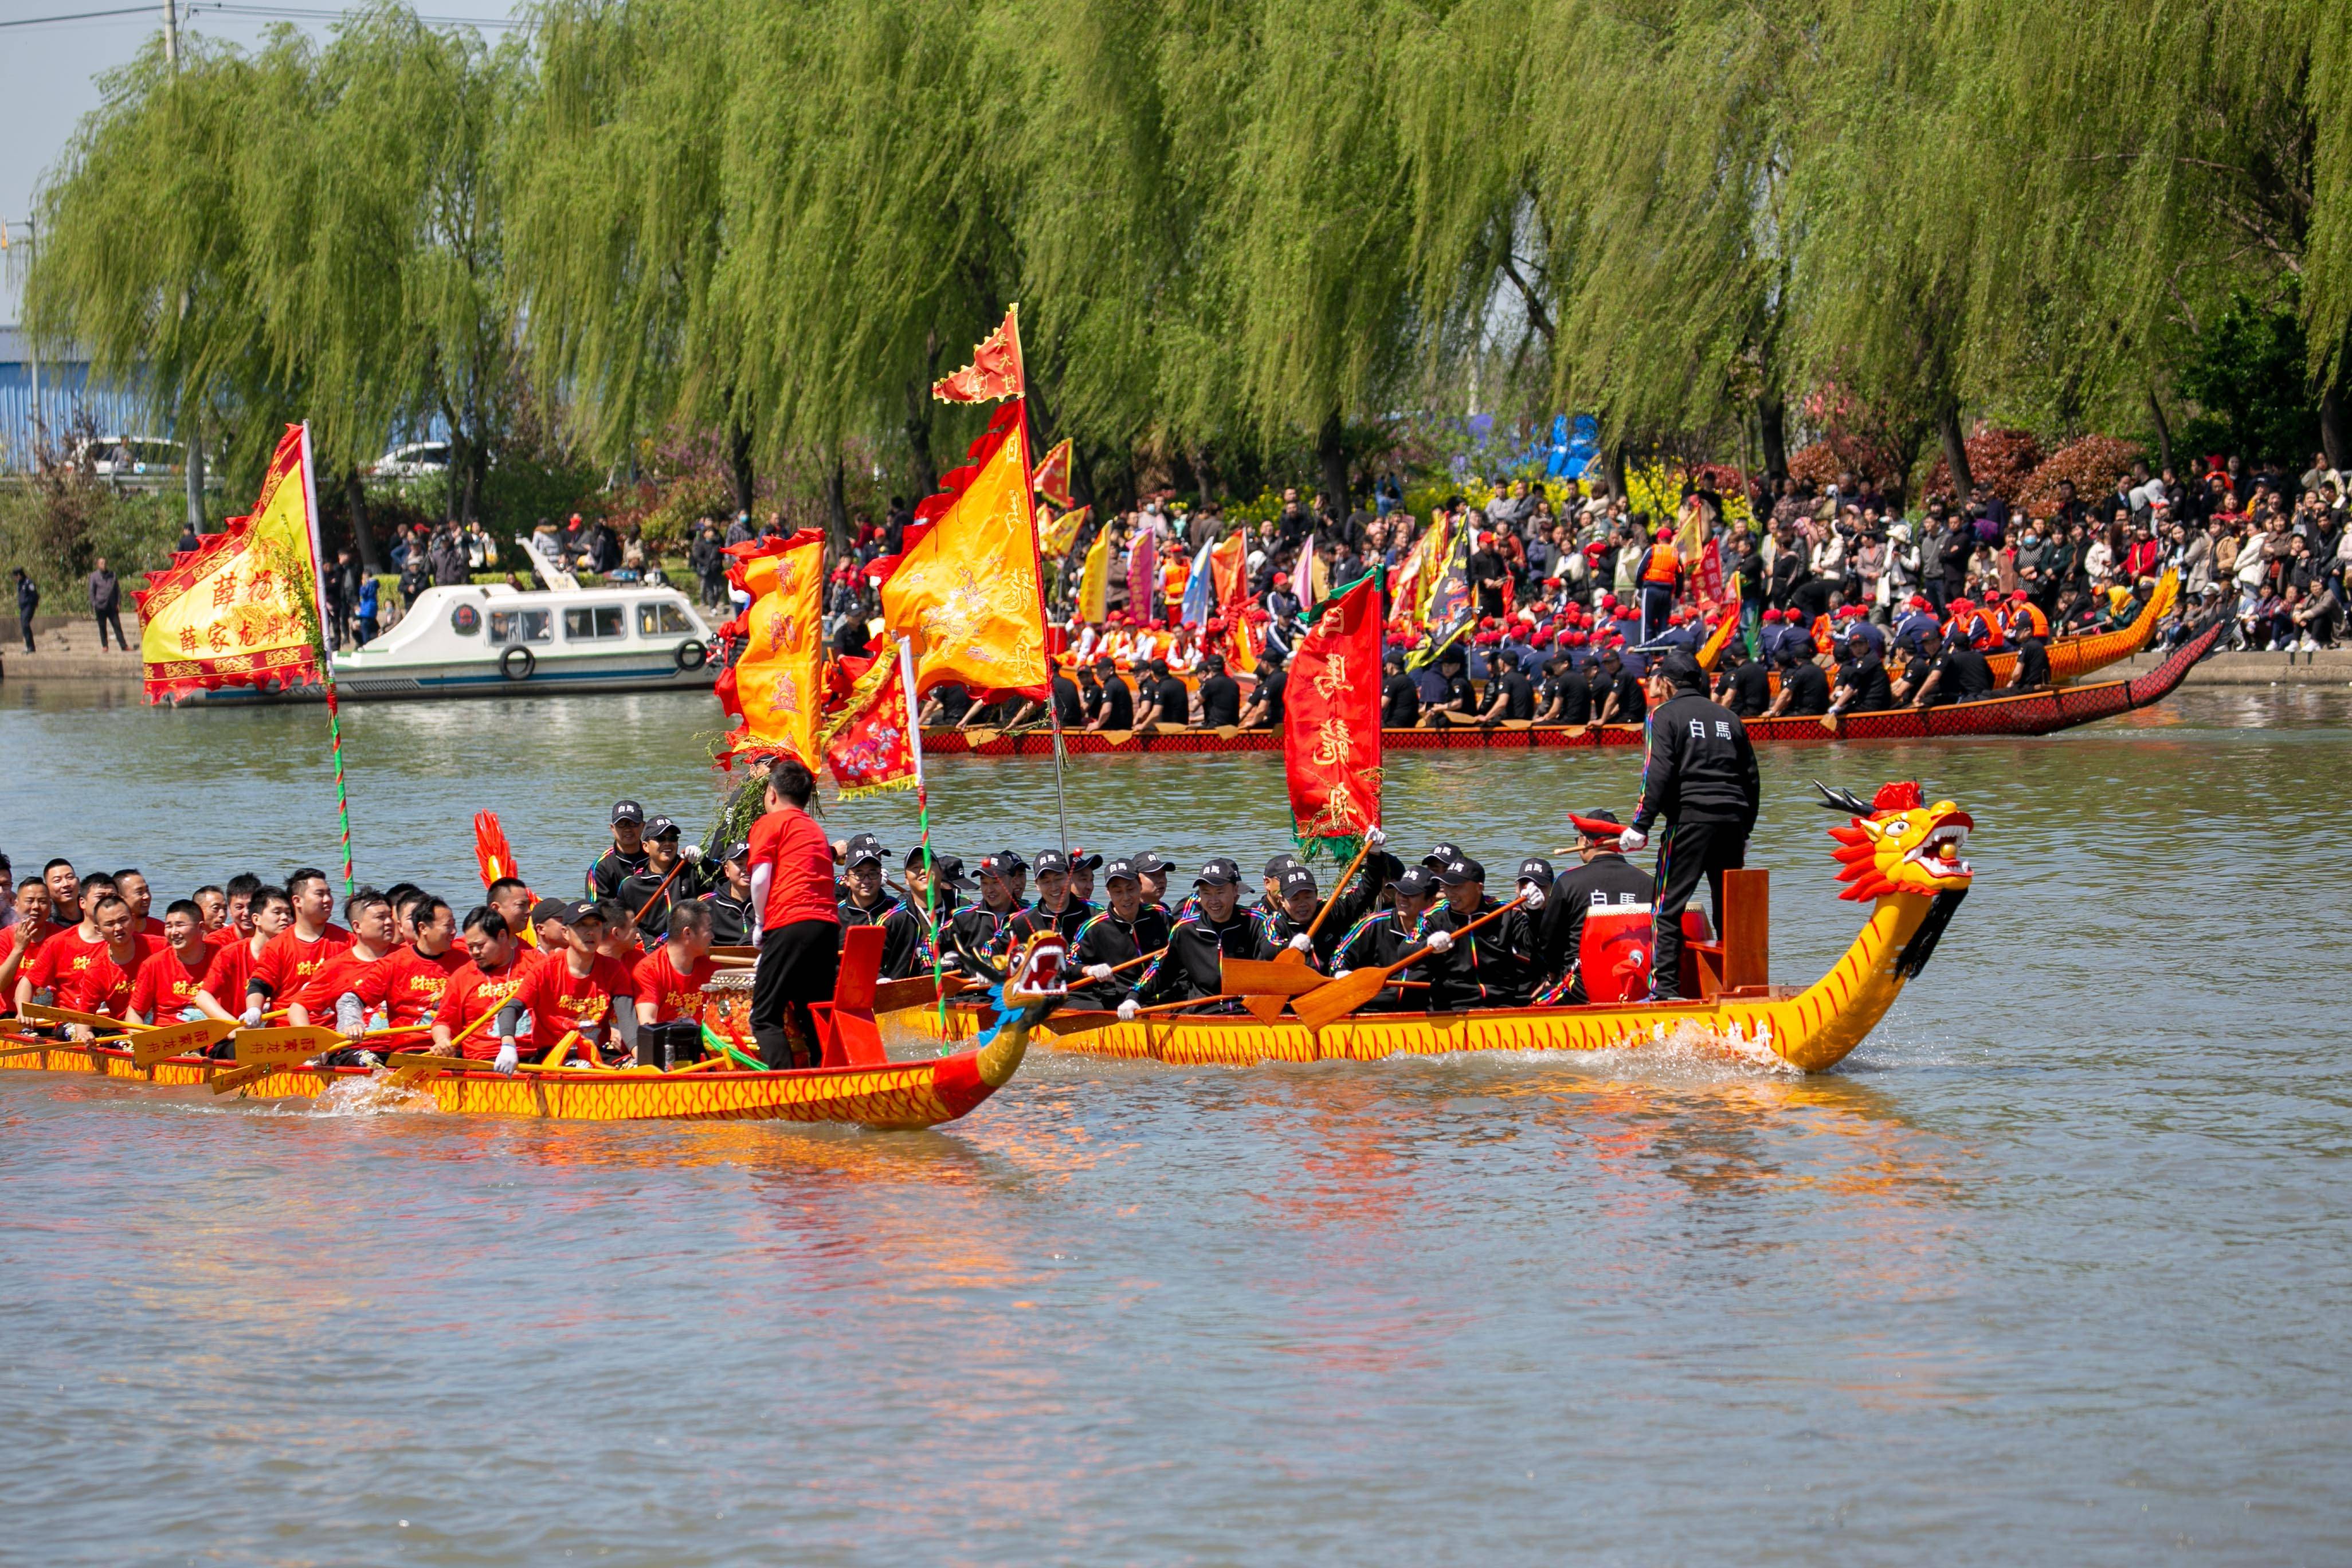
x,y
1331,725
775,689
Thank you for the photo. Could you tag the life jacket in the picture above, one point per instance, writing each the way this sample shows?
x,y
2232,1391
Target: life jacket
x,y
1989,625
1824,637
1614,956
2028,621
1658,569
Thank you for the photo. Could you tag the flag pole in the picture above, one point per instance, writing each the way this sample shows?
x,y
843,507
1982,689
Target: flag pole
x,y
1044,637
326,656
923,825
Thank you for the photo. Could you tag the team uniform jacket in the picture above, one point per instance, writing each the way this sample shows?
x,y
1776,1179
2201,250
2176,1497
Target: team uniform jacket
x,y
1700,766
1495,968
1192,965
909,943
1107,938
1560,925
1380,940
610,871
1073,915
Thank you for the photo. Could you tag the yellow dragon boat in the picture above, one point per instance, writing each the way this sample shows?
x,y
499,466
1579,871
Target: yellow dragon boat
x,y
1899,855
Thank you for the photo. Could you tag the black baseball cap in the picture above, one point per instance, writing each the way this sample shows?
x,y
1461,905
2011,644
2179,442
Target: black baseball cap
x,y
1121,869
1085,862
661,828
627,811
1052,860
1536,869
1151,860
549,909
1011,860
1000,865
1601,815
1282,863
1461,870
738,850
947,870
1297,879
863,848
1416,883
1441,854
581,910
1217,873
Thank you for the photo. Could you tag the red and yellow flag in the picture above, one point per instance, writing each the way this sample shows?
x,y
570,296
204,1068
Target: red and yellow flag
x,y
1726,623
994,371
965,593
246,608
1331,725
1229,576
1055,537
871,744
775,690
1053,477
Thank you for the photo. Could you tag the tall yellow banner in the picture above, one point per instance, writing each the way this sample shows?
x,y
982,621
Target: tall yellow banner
x,y
776,688
965,594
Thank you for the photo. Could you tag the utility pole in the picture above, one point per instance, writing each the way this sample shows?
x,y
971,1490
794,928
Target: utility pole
x,y
191,432
172,34
32,355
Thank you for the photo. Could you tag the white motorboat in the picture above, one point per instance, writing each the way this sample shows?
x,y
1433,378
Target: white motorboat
x,y
495,640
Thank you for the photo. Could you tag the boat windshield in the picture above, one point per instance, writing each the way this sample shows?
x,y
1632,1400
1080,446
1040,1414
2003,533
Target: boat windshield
x,y
521,625
592,622
664,619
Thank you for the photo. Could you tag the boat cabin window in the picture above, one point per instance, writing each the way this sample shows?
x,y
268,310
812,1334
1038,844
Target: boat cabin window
x,y
661,620
592,622
521,625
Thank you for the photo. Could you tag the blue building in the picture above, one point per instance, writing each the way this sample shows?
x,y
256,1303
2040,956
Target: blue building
x,y
65,394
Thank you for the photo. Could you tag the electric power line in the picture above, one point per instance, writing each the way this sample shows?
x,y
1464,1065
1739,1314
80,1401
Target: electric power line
x,y
275,12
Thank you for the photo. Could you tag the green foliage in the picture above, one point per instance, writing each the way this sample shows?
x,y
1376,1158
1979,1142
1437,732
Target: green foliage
x,y
57,524
2248,375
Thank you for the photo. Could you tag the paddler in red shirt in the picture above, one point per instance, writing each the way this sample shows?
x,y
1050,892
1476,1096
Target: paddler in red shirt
x,y
500,966
32,929
295,958
669,989
320,998
69,951
800,936
131,884
235,924
170,980
405,990
104,981
578,993
269,911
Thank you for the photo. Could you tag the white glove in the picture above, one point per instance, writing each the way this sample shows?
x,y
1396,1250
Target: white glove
x,y
252,1017
507,1057
1302,943
1375,836
370,1059
1127,1010
1631,838
1343,975
690,854
1441,942
1533,899
1098,971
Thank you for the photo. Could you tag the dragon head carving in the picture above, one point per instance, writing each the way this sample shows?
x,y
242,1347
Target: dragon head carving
x,y
1896,843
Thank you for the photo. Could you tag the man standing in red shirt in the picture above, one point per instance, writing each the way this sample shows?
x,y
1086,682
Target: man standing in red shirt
x,y
800,936
169,981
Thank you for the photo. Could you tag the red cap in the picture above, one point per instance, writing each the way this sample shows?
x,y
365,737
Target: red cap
x,y
1773,616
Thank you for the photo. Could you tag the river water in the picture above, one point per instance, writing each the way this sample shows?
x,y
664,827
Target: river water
x,y
2054,1270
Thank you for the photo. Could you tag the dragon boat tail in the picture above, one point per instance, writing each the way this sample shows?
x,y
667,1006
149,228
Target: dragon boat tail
x,y
1899,855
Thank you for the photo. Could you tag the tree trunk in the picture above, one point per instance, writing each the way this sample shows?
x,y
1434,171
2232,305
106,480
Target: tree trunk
x,y
1955,452
477,478
1613,472
738,465
919,420
362,536
194,427
1331,451
2335,417
1772,430
2163,432
836,506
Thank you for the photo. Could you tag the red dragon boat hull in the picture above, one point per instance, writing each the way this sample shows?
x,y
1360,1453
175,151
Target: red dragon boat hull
x,y
2040,712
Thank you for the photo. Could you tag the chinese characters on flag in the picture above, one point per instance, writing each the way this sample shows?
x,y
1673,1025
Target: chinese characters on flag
x,y
775,690
994,372
871,744
1331,725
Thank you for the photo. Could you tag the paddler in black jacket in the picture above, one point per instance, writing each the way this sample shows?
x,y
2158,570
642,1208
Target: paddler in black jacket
x,y
863,900
1298,908
1055,908
627,854
1495,965
978,934
732,915
1700,777
1197,945
1386,936
1127,929
1604,878
650,894
909,930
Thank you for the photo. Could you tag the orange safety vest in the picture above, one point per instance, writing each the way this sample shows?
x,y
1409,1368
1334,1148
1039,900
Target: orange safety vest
x,y
1824,637
2027,620
1661,566
1994,636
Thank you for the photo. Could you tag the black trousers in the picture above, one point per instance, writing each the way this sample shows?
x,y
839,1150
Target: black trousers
x,y
798,965
1688,851
25,625
106,618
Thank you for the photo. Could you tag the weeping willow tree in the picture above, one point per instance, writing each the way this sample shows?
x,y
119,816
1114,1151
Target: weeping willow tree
x,y
299,233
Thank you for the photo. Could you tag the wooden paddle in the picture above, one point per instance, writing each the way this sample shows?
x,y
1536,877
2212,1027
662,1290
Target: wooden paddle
x,y
918,991
1344,995
1264,985
36,1047
261,1052
36,1013
401,1078
1177,1006
152,1046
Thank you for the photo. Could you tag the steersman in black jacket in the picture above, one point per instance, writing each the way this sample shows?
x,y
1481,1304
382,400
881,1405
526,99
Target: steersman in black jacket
x,y
1700,777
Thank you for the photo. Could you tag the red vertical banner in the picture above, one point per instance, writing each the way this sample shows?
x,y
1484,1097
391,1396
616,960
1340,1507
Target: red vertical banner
x,y
1331,725
1710,574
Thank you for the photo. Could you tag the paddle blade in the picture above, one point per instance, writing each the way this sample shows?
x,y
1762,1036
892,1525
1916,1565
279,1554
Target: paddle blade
x,y
35,1014
237,1077
1342,997
283,1048
894,995
1256,977
1266,1010
179,1040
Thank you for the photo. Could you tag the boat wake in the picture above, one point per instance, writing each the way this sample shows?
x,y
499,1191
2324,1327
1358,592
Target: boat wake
x,y
376,1095
1687,1048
